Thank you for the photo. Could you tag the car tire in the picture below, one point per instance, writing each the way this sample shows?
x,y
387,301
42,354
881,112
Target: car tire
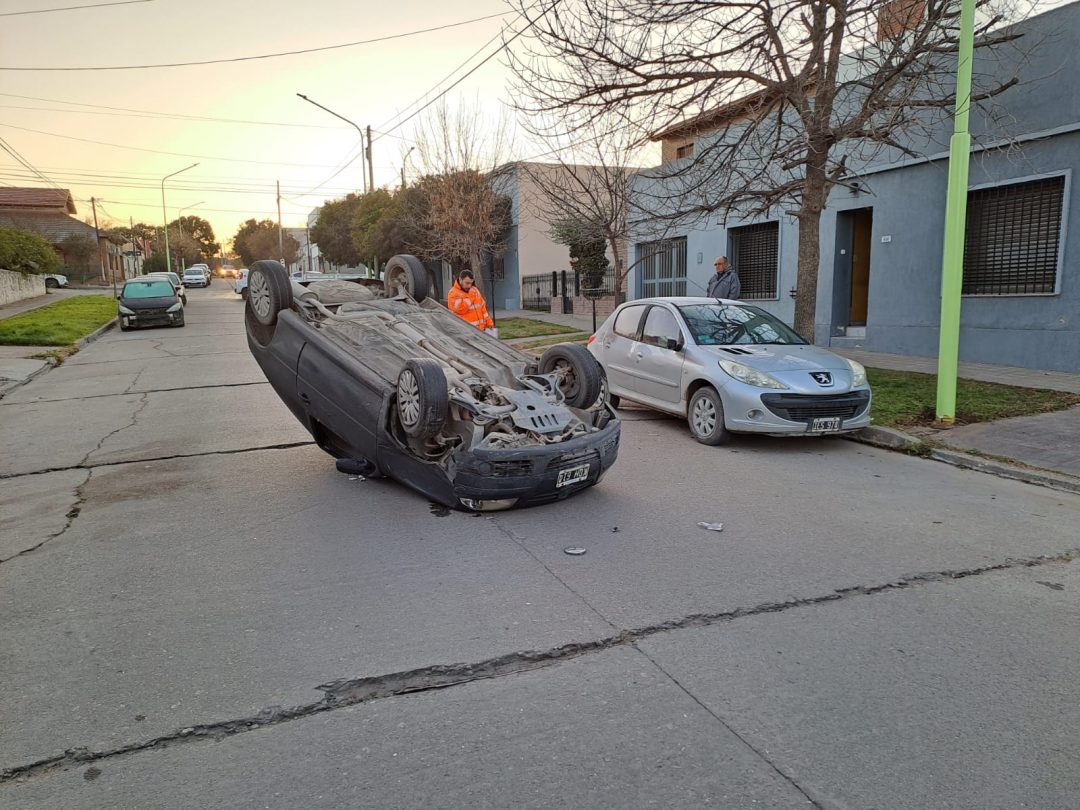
x,y
183,300
269,291
614,401
52,284
244,294
582,376
405,273
422,398
705,415
125,328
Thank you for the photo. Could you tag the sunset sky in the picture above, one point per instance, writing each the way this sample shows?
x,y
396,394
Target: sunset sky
x,y
239,163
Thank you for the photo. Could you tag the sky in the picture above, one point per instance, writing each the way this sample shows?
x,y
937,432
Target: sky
x,y
299,145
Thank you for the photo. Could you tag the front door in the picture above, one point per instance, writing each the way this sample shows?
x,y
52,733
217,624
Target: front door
x,y
862,222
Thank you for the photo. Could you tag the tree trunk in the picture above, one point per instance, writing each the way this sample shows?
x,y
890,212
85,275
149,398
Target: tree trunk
x,y
813,201
620,265
477,270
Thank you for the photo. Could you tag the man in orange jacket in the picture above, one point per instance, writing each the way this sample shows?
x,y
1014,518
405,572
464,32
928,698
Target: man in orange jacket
x,y
467,303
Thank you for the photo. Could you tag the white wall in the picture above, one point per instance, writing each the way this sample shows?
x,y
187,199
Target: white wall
x,y
16,286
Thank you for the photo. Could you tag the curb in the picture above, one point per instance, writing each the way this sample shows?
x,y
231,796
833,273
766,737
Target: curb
x,y
892,439
77,345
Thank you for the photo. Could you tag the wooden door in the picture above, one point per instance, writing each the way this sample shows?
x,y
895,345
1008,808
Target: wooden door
x,y
862,225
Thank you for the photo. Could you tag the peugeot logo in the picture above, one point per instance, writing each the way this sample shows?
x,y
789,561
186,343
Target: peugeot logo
x,y
822,377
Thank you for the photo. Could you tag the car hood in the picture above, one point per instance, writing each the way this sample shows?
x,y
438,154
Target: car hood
x,y
773,358
149,303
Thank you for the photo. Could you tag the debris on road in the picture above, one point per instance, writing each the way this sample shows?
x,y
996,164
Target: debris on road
x,y
712,527
574,551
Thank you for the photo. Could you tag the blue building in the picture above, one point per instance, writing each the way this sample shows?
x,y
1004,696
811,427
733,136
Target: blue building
x,y
881,234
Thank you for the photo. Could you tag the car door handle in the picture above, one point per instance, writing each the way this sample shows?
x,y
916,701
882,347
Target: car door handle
x,y
305,398
640,355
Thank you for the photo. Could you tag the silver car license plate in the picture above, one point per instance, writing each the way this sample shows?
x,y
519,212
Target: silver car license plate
x,y
572,475
825,424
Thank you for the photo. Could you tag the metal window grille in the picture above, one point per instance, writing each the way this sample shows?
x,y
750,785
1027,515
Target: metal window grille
x,y
685,151
756,253
663,267
1012,238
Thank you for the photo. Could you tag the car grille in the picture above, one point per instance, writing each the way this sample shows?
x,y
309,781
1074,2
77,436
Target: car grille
x,y
807,407
511,468
152,313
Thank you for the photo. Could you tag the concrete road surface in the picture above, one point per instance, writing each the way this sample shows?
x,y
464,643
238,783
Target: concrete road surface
x,y
196,609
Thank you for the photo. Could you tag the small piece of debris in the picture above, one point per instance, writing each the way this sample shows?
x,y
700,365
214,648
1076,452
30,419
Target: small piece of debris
x,y
574,551
1054,586
90,774
140,717
712,527
357,478
614,529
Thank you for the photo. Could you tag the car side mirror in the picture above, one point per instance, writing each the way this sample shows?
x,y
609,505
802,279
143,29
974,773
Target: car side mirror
x,y
674,344
119,296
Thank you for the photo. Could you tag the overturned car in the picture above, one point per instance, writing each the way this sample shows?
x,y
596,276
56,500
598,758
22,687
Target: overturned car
x,y
391,383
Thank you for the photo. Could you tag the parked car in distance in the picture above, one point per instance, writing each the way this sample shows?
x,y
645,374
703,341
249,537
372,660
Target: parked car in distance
x,y
173,279
149,302
728,367
54,281
195,277
240,286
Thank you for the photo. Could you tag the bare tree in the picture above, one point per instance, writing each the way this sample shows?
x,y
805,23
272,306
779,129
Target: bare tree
x,y
788,98
463,217
587,189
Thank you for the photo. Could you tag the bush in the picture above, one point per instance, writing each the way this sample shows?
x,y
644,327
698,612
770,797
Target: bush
x,y
25,252
155,264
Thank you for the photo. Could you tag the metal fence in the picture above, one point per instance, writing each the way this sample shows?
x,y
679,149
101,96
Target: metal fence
x,y
538,291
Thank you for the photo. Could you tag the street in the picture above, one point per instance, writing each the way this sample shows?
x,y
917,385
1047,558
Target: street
x,y
197,609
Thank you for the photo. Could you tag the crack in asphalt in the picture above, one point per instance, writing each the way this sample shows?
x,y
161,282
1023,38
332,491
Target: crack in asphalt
x,y
129,392
348,692
83,466
72,513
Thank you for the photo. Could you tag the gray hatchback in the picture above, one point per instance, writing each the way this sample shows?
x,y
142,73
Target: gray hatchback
x,y
728,367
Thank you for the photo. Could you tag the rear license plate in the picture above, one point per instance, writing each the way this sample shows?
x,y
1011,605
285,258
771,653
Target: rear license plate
x,y
573,475
825,424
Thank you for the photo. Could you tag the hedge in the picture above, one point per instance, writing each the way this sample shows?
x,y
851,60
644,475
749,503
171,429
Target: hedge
x,y
26,252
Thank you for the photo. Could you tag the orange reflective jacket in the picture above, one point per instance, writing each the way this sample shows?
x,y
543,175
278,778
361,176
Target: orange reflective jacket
x,y
469,306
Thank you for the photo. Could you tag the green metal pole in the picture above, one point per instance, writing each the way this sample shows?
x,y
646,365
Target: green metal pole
x,y
165,216
952,260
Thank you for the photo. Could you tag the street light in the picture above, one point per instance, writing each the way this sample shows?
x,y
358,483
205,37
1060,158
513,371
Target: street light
x,y
366,149
165,215
404,160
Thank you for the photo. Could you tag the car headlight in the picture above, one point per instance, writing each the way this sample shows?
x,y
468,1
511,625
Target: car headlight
x,y
750,376
858,373
175,307
124,310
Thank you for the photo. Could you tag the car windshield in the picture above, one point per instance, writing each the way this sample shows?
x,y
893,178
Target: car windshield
x,y
147,289
733,324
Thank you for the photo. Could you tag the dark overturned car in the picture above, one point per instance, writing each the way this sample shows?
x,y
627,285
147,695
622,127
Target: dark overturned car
x,y
391,383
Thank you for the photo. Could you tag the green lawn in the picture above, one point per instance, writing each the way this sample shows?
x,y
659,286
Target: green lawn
x,y
59,324
515,328
907,398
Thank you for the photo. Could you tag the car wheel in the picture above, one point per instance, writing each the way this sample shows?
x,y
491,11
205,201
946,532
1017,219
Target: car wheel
x,y
125,328
422,398
581,377
706,417
405,273
269,291
183,300
52,283
244,294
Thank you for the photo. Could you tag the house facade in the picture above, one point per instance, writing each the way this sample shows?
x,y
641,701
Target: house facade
x,y
881,235
49,212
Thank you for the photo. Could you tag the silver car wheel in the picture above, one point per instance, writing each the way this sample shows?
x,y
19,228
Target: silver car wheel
x,y
703,417
259,295
408,397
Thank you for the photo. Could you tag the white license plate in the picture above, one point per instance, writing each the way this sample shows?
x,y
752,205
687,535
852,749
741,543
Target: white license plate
x,y
825,424
573,475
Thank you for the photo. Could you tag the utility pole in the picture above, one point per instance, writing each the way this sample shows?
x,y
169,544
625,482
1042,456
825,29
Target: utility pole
x,y
97,244
307,243
370,168
280,236
952,260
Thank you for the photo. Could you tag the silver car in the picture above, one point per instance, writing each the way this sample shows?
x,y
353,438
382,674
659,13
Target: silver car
x,y
728,367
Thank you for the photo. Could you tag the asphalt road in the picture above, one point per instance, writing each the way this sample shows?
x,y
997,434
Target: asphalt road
x,y
197,610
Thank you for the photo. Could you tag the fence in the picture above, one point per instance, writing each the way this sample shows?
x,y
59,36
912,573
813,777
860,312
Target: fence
x,y
547,292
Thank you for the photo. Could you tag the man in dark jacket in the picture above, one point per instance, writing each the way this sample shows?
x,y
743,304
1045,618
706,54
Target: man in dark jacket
x,y
725,284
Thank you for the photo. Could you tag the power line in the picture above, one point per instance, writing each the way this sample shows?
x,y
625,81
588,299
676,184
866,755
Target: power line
x,y
171,154
127,111
472,70
74,8
11,150
268,55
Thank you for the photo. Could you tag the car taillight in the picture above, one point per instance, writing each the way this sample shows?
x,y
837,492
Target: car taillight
x,y
590,340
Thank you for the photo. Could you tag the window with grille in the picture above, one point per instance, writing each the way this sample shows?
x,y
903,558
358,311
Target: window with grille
x,y
685,151
1012,238
662,267
755,253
